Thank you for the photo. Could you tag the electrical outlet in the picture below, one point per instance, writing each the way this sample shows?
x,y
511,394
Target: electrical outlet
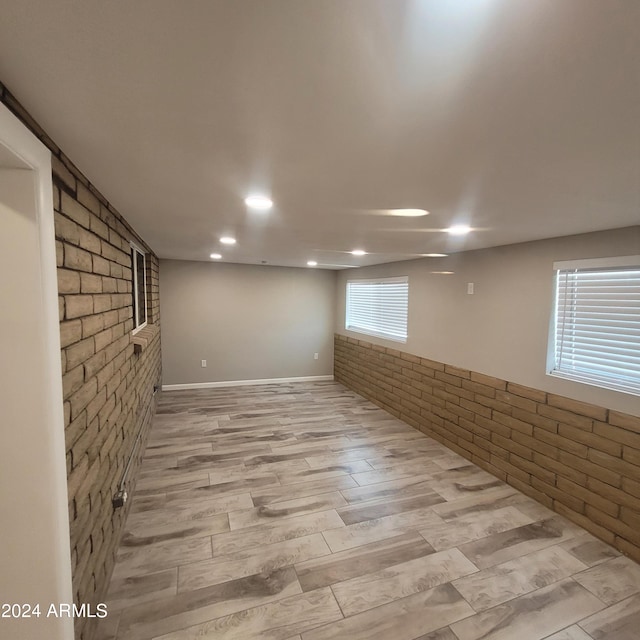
x,y
315,356
470,288
120,499
203,363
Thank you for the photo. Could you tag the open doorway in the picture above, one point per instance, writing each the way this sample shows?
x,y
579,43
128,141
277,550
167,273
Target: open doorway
x,y
35,563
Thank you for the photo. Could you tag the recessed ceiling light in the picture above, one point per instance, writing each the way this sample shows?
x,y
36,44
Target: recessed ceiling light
x,y
312,263
408,213
215,256
444,273
359,252
458,229
227,240
258,202
436,255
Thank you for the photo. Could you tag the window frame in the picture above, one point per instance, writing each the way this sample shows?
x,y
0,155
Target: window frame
x,y
595,379
135,249
373,332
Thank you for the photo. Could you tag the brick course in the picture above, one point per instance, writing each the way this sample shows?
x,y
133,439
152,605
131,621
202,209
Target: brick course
x,y
108,390
579,459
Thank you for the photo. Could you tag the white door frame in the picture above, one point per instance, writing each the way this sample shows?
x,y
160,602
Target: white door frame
x,y
36,569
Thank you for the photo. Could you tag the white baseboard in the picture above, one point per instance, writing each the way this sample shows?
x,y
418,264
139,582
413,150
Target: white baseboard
x,y
243,383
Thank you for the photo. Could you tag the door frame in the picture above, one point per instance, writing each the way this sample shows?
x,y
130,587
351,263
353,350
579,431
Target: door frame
x,y
49,462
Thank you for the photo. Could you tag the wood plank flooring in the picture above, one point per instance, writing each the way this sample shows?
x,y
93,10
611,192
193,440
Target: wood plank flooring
x,y
303,512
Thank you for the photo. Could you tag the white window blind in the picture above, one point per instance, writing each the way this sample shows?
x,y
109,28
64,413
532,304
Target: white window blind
x,y
597,325
378,307
139,288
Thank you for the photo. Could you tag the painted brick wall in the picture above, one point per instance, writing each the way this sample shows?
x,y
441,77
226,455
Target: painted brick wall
x,y
581,460
108,389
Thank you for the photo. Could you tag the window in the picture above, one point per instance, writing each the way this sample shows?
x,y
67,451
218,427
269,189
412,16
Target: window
x,y
138,266
596,330
378,307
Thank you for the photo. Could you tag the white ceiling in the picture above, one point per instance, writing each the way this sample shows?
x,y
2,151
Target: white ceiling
x,y
519,117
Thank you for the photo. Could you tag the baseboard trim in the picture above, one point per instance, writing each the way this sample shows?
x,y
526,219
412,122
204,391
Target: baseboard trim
x,y
243,383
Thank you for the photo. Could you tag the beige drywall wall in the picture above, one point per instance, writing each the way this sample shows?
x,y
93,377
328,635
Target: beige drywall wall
x,y
248,322
502,329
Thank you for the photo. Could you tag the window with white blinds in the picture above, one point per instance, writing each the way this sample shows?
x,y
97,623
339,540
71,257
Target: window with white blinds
x,y
597,323
378,307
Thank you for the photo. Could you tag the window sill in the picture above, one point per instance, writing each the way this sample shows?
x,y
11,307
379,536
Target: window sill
x,y
143,337
377,334
602,383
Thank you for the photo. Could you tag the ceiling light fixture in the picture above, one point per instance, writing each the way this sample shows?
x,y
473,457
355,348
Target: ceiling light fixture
x,y
436,255
258,202
227,240
443,273
312,263
458,230
408,213
359,252
215,256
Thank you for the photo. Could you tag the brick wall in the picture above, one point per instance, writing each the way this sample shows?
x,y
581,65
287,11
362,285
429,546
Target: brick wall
x,y
108,389
581,460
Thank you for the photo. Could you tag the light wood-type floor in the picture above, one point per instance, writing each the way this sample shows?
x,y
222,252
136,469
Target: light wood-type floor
x,y
303,512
